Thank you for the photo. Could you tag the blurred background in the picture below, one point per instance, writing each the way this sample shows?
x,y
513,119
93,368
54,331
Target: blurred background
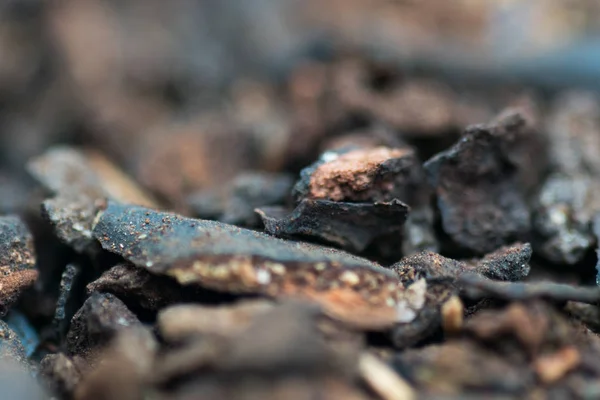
x,y
184,94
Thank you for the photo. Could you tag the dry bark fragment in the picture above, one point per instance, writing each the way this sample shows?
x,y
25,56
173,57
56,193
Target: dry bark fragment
x,y
352,226
97,322
17,261
477,182
355,175
235,203
226,258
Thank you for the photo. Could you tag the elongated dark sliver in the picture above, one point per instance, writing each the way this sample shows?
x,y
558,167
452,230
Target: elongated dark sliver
x,y
227,258
352,226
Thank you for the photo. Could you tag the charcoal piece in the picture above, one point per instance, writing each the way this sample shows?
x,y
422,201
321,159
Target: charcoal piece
x,y
67,298
478,287
226,258
522,143
461,366
81,181
98,320
125,368
60,375
235,203
562,215
375,174
17,259
352,226
183,322
356,175
479,196
510,263
144,292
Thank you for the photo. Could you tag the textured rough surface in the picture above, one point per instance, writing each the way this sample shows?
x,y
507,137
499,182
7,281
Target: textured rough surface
x,y
478,188
100,318
354,175
81,182
352,226
17,261
144,292
364,173
227,258
66,305
510,263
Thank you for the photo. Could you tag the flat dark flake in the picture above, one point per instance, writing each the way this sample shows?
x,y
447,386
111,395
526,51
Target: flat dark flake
x,y
168,239
226,258
352,226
